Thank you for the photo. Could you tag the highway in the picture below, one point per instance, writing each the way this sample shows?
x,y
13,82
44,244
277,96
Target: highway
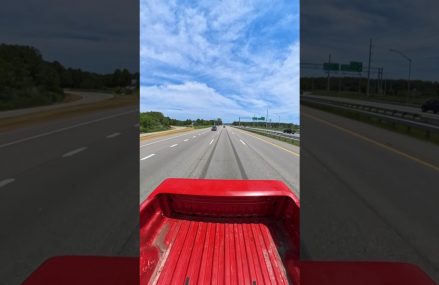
x,y
367,193
68,187
228,153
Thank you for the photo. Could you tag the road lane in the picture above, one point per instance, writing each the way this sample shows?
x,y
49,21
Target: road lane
x,y
79,204
217,154
368,193
267,158
26,149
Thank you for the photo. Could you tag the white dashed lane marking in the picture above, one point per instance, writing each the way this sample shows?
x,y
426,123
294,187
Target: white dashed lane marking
x,y
113,135
174,145
75,151
146,157
6,182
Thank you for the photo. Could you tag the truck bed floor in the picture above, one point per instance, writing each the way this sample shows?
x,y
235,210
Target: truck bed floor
x,y
215,252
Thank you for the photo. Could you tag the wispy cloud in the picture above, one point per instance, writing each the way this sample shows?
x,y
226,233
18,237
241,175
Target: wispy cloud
x,y
220,59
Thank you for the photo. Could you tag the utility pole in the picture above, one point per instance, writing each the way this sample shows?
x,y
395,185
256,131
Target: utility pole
x,y
368,68
408,83
378,87
385,87
329,74
410,70
266,120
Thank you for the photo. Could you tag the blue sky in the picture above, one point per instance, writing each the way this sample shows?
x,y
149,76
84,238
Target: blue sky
x,y
227,59
79,34
343,28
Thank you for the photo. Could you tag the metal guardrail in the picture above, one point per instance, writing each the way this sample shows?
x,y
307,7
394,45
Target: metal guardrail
x,y
271,132
411,120
382,110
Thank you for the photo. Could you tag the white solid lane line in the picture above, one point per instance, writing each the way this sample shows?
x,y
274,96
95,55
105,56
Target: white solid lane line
x,y
146,157
6,182
75,151
113,135
242,142
211,141
63,129
186,140
174,145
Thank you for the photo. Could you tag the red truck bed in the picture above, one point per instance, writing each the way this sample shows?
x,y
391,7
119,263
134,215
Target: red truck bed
x,y
219,232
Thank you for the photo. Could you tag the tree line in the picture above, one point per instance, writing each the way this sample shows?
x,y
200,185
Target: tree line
x,y
273,125
156,121
27,80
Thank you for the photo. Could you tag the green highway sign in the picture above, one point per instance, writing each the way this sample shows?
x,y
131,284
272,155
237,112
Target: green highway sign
x,y
258,119
357,66
331,66
345,67
353,66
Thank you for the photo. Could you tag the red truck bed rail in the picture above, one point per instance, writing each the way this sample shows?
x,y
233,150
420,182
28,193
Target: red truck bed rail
x,y
219,232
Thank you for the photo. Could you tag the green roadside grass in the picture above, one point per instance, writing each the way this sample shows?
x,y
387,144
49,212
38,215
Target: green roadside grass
x,y
202,127
402,100
66,112
153,130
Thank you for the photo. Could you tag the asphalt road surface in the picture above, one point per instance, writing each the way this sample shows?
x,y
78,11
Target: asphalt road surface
x,y
68,187
367,193
227,153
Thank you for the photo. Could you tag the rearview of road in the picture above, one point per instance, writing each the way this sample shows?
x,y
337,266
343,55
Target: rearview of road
x,y
64,189
229,153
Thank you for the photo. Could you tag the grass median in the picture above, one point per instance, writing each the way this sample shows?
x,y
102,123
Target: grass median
x,y
152,135
389,99
66,112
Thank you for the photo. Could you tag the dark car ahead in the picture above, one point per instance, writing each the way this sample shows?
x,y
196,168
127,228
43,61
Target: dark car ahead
x,y
214,128
431,105
288,131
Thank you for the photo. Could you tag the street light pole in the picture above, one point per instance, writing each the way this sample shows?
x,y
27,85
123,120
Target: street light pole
x,y
408,83
410,70
328,83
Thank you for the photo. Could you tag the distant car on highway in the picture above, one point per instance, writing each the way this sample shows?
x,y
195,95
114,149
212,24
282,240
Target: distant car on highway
x,y
288,131
213,128
431,105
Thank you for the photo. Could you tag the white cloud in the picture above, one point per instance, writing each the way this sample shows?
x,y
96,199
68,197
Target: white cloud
x,y
190,100
212,54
